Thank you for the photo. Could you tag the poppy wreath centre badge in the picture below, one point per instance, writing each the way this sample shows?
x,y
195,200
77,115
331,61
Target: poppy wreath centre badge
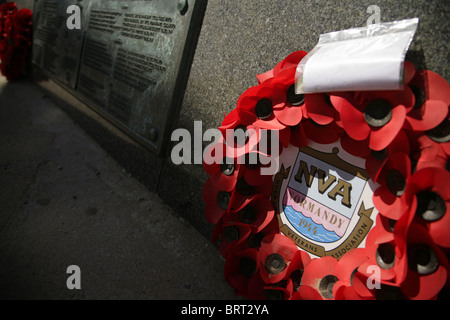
x,y
357,202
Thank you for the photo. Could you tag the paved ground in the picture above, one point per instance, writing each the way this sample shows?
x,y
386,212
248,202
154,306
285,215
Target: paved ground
x,y
64,201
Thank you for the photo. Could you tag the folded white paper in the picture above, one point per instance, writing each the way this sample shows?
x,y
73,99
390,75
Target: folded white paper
x,y
360,59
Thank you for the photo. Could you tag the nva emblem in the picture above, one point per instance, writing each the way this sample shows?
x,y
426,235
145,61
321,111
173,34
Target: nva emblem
x,y
324,202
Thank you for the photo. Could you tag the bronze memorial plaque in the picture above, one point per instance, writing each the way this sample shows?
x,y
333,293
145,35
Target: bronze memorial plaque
x,y
129,61
56,49
135,62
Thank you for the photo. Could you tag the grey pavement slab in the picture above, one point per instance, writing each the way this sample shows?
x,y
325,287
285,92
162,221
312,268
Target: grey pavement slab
x,y
64,201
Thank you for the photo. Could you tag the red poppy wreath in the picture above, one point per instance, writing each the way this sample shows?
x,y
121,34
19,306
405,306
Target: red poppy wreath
x,y
15,39
358,207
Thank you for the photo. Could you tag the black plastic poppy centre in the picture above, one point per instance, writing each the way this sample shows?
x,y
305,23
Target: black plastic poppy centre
x,y
247,215
422,259
247,267
441,133
385,256
293,98
378,113
326,286
223,199
430,206
264,109
275,263
231,234
227,167
396,182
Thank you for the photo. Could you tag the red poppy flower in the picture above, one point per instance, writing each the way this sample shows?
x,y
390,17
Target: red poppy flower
x,y
432,154
269,146
279,291
22,39
433,85
24,19
307,293
256,107
225,159
319,108
323,134
251,240
239,139
432,99
298,136
255,239
427,116
273,104
253,171
260,290
245,192
320,275
297,267
291,112
378,116
428,194
217,202
223,171
232,236
383,251
8,27
276,253
257,214
281,103
365,283
385,268
240,267
357,148
8,9
376,160
393,180
230,121
427,266
291,61
345,271
15,39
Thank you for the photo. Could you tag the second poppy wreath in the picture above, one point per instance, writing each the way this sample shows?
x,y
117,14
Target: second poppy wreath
x,y
359,205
